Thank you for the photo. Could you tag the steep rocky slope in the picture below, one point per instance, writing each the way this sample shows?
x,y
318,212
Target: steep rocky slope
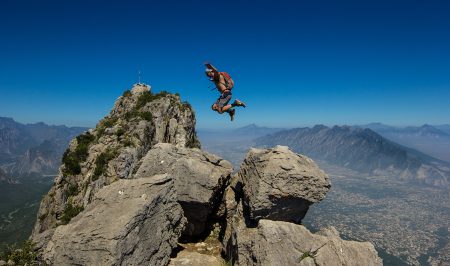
x,y
132,188
113,149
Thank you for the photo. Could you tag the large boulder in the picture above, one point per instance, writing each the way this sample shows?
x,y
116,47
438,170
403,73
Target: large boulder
x,y
200,179
129,222
281,185
283,243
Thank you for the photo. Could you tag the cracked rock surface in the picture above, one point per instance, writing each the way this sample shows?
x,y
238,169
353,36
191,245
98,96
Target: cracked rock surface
x,y
199,177
129,222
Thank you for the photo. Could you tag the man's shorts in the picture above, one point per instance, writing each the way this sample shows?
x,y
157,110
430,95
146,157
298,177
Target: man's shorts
x,y
223,99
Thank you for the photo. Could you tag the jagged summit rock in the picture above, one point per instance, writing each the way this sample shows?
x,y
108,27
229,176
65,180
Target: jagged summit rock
x,y
112,150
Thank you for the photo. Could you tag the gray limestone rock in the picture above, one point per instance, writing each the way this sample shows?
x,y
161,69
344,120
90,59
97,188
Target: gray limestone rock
x,y
129,222
200,179
113,149
283,243
281,185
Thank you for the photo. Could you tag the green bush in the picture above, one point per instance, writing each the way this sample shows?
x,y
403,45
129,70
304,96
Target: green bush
x,y
306,255
126,93
127,142
101,163
83,141
144,98
130,115
104,124
71,163
109,122
185,106
72,190
120,132
72,159
69,212
42,216
146,116
193,142
21,255
147,97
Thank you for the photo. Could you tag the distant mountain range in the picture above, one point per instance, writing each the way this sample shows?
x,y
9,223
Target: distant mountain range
x,y
248,132
253,131
445,128
432,140
33,148
422,131
364,150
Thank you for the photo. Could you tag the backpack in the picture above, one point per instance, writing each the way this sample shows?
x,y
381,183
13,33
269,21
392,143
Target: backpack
x,y
229,83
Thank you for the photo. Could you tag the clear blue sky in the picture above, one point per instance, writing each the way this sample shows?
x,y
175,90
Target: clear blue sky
x,y
295,63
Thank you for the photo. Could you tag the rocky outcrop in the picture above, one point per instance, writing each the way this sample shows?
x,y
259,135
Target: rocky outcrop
x,y
261,229
130,222
280,185
132,188
200,179
283,243
113,149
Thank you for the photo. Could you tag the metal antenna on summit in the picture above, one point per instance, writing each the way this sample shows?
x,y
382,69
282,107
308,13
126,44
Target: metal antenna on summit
x,y
139,77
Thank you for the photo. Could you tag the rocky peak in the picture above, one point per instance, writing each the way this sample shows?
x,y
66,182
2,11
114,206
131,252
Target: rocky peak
x,y
140,88
112,150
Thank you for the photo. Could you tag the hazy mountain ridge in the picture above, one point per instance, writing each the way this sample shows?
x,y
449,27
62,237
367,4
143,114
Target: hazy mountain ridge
x,y
445,128
432,140
363,150
424,130
246,133
254,130
27,148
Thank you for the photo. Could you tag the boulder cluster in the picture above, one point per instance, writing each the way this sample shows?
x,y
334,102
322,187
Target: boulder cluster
x,y
150,201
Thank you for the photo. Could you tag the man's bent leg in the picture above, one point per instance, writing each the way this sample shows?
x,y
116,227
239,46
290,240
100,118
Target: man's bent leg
x,y
226,108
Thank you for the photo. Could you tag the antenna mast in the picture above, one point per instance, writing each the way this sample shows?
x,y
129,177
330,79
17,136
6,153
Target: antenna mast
x,y
139,77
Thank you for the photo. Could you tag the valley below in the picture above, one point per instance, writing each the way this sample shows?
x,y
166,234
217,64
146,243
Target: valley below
x,y
19,204
408,224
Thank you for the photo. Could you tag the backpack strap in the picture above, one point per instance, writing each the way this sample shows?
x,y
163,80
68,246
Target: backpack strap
x,y
228,81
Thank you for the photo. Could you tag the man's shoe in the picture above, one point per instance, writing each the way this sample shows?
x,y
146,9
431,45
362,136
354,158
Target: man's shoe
x,y
231,113
239,103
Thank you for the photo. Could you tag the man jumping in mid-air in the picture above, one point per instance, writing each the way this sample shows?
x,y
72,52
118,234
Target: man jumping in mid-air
x,y
224,84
